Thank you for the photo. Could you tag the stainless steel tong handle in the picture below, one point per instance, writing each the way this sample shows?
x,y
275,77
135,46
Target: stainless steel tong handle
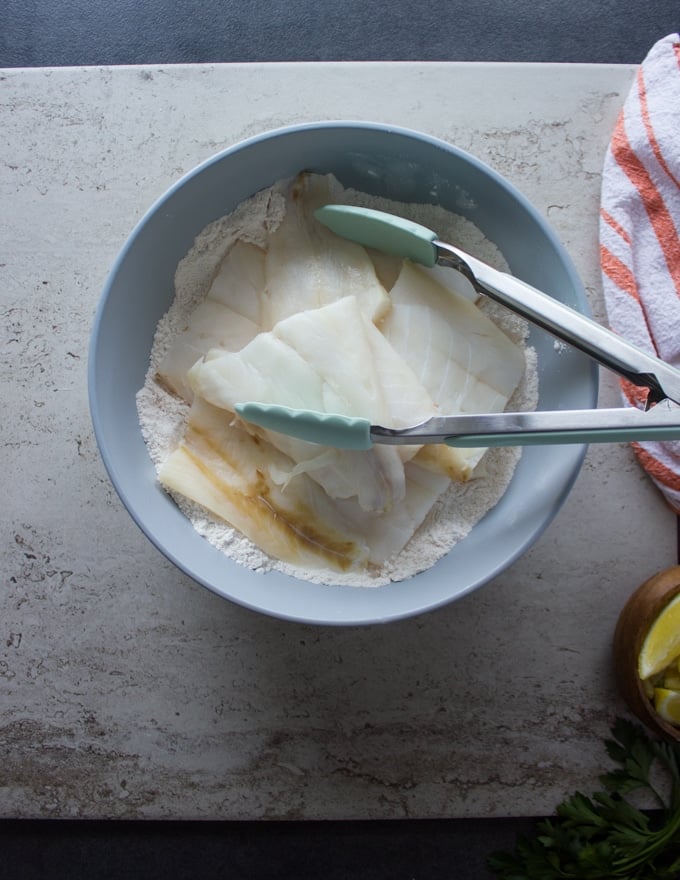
x,y
661,422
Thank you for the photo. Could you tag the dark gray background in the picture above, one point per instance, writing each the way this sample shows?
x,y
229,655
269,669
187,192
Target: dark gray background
x,y
76,32
39,33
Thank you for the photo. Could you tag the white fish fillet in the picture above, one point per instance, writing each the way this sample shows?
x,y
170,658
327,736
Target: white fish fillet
x,y
374,477
240,281
363,374
233,474
461,357
265,370
212,326
308,266
300,364
387,535
228,318
225,469
466,363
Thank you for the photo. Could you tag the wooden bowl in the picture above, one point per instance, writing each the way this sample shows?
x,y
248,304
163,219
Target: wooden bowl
x,y
636,617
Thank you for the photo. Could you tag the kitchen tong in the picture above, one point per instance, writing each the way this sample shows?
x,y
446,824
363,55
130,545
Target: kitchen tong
x,y
396,235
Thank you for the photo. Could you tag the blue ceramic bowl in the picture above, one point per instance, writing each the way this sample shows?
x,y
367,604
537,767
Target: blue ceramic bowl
x,y
384,161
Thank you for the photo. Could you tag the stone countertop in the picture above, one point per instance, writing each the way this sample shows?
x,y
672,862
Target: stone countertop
x,y
126,690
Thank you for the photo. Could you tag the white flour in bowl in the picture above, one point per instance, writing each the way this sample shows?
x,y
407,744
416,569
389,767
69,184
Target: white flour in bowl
x,y
162,416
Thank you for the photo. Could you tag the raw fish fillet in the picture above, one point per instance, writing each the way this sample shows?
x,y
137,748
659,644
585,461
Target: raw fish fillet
x,y
212,326
308,266
228,318
463,360
240,281
234,475
387,535
222,467
300,364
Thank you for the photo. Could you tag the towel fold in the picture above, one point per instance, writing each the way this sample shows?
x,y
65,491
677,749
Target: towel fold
x,y
640,235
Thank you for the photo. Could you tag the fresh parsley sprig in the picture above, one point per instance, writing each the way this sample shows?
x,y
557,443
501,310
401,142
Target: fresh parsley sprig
x,y
604,837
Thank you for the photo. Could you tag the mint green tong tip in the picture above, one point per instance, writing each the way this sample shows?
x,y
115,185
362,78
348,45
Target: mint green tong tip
x,y
384,232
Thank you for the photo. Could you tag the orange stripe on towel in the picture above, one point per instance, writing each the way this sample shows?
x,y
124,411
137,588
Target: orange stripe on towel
x,y
636,395
617,271
658,213
649,128
657,469
616,226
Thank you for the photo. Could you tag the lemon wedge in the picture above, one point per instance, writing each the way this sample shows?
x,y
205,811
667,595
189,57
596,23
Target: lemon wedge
x,y
661,646
671,678
667,704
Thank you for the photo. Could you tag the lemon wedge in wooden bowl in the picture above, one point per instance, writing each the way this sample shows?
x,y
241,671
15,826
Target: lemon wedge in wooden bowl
x,y
647,653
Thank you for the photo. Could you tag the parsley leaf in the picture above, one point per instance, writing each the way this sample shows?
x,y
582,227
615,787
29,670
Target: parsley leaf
x,y
605,837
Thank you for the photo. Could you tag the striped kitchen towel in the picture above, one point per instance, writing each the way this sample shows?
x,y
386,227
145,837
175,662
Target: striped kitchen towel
x,y
640,235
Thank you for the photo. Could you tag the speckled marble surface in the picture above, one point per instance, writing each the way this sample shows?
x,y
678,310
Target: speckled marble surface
x,y
126,690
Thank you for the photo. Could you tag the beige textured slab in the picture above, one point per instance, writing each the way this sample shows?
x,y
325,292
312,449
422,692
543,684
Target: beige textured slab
x,y
127,690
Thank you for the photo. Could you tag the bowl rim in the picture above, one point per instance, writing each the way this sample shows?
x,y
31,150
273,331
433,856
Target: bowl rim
x,y
411,608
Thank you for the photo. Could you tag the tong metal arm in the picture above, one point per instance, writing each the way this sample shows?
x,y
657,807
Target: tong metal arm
x,y
567,324
661,422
